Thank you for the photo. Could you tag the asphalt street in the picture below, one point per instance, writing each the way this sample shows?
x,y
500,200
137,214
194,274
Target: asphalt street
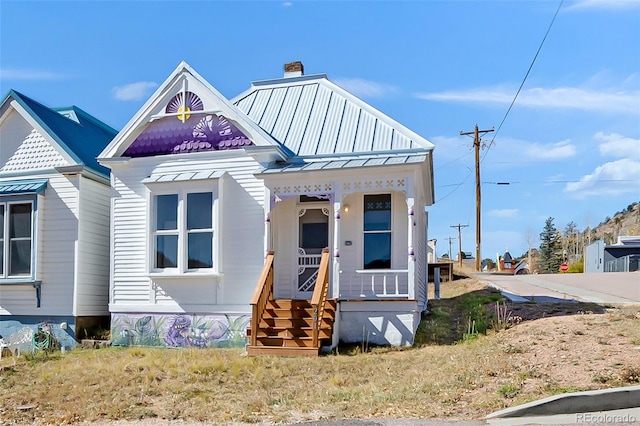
x,y
609,288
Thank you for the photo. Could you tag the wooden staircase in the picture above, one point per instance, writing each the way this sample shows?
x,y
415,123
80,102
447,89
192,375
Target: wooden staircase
x,y
284,327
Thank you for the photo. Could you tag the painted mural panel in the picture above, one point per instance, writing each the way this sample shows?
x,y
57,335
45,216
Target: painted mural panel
x,y
179,331
187,128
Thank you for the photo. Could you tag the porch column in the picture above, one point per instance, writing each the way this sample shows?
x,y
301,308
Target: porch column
x,y
335,276
411,264
268,201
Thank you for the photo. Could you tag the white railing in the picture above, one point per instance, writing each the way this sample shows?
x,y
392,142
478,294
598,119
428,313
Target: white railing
x,y
374,284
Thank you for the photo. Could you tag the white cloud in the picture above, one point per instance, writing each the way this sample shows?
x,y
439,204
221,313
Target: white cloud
x,y
613,178
503,213
133,91
613,101
616,145
366,89
555,151
27,74
287,4
603,4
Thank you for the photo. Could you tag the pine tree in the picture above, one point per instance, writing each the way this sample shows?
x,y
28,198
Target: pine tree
x,y
550,248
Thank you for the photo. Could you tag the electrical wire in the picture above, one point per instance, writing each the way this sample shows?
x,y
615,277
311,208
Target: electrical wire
x,y
523,81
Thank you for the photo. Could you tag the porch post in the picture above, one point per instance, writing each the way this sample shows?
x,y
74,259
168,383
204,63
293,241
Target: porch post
x,y
411,264
335,275
268,201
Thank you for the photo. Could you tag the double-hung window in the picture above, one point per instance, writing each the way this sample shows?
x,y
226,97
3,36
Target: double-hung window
x,y
16,239
183,231
377,231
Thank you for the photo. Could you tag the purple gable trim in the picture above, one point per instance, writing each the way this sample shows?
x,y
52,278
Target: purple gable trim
x,y
169,135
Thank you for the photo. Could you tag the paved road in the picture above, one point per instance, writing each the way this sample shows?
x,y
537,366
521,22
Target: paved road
x,y
604,288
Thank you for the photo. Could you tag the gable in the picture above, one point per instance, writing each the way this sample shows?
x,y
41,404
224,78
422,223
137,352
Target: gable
x,y
185,115
23,148
53,138
185,126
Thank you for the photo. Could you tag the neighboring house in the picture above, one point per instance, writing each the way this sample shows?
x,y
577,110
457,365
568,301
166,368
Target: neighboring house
x,y
624,256
506,263
54,216
204,188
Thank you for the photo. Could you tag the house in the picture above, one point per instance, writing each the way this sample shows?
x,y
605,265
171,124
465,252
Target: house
x,y
623,256
227,213
54,210
506,263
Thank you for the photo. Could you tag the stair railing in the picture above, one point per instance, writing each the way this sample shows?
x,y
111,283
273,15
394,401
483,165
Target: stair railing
x,y
320,295
261,295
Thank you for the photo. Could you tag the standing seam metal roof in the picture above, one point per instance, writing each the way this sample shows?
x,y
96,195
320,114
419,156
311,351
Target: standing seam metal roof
x,y
312,116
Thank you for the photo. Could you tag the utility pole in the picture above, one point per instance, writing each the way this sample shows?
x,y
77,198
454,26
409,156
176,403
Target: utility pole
x,y
459,241
450,238
476,145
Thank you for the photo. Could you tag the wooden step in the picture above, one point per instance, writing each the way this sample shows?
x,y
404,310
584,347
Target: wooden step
x,y
293,322
281,351
286,332
293,342
288,304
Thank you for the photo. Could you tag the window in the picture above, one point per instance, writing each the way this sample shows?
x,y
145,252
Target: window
x,y
377,231
183,231
16,239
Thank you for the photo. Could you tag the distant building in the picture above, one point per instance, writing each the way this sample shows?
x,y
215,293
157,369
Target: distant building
x,y
506,263
623,256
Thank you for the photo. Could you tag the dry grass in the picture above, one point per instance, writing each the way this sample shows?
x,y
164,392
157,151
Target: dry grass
x,y
554,349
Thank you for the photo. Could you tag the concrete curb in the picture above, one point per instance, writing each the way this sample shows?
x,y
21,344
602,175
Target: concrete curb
x,y
511,296
576,402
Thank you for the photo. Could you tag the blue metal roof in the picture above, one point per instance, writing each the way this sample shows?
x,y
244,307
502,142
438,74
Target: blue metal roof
x,y
23,186
82,138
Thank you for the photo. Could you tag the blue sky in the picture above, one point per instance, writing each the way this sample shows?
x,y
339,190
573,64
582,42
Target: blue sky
x,y
569,147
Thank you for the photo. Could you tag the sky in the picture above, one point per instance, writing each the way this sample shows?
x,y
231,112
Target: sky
x,y
557,81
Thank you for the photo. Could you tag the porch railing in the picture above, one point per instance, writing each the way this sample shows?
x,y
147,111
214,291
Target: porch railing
x,y
261,295
320,295
372,284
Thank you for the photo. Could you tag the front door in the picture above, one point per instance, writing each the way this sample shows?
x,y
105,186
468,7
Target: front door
x,y
313,236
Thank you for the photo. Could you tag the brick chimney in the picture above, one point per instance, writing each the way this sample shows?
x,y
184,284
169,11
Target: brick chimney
x,y
293,69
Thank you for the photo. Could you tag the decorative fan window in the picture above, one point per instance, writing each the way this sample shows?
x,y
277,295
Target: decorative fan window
x,y
182,104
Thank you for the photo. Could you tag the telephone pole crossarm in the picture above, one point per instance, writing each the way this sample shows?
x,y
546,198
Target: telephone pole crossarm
x,y
459,226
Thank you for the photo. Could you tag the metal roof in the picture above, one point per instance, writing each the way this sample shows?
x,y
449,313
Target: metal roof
x,y
345,163
184,176
312,116
24,186
80,134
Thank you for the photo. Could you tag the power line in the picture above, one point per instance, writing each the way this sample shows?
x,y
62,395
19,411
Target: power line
x,y
524,79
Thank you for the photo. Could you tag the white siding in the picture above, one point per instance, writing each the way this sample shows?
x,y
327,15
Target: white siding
x,y
351,226
240,231
92,286
58,238
55,243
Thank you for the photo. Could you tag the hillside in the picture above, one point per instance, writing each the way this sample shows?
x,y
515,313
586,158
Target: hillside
x,y
626,222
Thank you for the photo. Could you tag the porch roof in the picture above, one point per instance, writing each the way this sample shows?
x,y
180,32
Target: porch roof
x,y
183,176
24,186
302,164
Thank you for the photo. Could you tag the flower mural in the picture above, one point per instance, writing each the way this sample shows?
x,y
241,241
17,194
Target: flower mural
x,y
179,331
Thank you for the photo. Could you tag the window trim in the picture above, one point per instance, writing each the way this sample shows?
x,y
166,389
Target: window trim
x,y
182,189
7,201
390,231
